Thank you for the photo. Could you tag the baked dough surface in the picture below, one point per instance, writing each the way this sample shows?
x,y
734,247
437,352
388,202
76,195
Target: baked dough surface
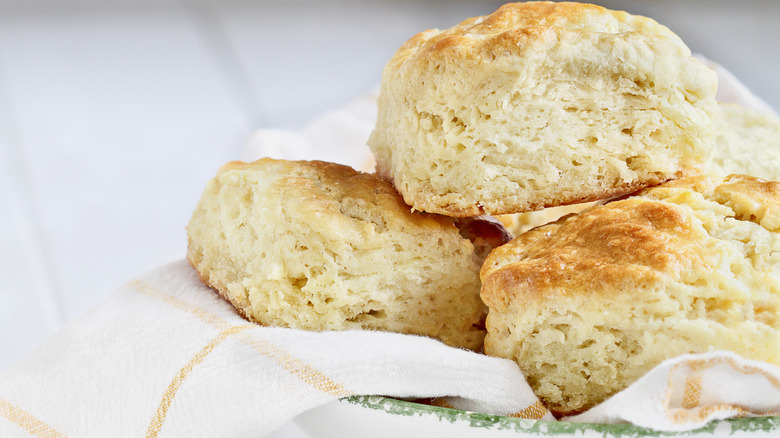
x,y
540,104
320,246
587,305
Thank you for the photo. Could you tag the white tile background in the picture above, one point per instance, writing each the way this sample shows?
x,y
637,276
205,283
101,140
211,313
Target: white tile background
x,y
114,114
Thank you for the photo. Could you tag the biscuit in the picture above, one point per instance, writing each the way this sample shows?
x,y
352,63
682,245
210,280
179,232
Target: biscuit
x,y
537,105
748,142
587,305
320,246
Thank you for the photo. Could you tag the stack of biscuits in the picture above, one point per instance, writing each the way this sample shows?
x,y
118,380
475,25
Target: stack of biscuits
x,y
669,243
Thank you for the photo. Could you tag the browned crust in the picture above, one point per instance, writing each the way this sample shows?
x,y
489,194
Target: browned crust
x,y
429,205
507,31
328,184
620,246
624,243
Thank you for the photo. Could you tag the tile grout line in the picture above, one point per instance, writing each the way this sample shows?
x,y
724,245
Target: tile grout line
x,y
227,63
14,173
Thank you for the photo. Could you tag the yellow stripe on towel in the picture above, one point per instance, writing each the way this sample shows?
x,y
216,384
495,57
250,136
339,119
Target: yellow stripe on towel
x,y
691,411
159,418
692,393
205,316
302,370
536,411
27,421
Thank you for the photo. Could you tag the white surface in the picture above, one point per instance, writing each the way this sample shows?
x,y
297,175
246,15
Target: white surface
x,y
112,137
114,114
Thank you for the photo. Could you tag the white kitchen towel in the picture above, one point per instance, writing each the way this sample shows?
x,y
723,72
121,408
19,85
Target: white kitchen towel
x,y
165,356
689,391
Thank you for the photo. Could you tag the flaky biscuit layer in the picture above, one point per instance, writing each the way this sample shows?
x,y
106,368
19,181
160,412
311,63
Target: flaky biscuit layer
x,y
540,104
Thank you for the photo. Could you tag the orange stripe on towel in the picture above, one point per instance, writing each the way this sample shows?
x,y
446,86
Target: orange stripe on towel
x,y
27,421
440,402
159,418
691,411
205,316
535,411
300,369
692,392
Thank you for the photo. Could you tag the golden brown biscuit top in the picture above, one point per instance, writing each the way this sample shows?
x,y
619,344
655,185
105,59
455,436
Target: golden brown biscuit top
x,y
625,244
333,192
515,27
347,198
